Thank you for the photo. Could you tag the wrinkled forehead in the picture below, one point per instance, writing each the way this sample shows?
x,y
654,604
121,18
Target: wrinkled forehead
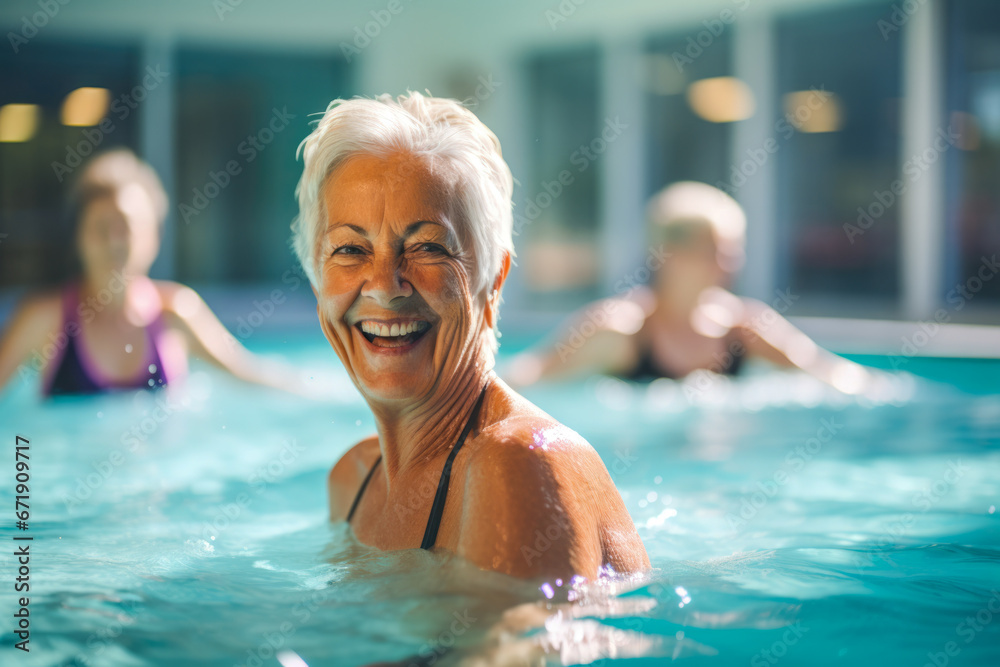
x,y
398,188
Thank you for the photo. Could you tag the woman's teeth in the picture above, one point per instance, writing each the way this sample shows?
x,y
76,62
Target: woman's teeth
x,y
384,330
393,335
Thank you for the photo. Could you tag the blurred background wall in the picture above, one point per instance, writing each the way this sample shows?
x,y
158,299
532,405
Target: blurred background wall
x,y
863,138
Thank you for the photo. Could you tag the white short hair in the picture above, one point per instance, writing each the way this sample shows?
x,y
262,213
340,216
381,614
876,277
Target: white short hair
x,y
688,202
431,128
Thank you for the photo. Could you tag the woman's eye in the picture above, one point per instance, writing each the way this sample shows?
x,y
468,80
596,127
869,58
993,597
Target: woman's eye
x,y
346,250
431,247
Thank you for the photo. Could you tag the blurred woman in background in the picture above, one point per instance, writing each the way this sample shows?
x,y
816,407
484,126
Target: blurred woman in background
x,y
114,327
685,320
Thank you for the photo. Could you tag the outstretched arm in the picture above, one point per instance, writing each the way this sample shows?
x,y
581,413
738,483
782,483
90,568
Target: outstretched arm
x,y
209,340
597,339
29,330
770,336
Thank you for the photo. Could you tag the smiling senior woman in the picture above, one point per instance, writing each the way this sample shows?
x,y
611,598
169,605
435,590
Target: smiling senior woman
x,y
405,233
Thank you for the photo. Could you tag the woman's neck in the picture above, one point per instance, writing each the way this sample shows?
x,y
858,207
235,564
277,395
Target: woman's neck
x,y
105,292
420,432
675,304
121,300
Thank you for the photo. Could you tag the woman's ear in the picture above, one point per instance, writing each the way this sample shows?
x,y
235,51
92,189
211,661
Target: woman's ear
x,y
504,269
493,298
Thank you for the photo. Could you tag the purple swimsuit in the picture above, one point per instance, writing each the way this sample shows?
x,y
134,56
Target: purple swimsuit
x,y
74,371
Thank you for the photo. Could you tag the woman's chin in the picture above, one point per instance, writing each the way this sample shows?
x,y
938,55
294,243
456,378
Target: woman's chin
x,y
391,386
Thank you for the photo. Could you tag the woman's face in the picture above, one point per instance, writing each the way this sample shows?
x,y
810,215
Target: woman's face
x,y
692,257
119,232
395,300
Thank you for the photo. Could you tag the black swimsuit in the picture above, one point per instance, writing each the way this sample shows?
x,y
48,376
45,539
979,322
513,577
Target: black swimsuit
x,y
437,509
647,368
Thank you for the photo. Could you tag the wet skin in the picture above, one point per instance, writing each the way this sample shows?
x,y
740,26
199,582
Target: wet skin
x,y
528,496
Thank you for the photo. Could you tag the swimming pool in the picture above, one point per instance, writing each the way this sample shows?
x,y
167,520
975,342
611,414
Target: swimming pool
x,y
787,525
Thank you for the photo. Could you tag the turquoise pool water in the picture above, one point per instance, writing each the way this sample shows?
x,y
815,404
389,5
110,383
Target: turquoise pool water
x,y
786,525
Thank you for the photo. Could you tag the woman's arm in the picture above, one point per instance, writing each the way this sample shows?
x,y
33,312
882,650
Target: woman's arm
x,y
770,336
34,321
597,339
209,340
540,503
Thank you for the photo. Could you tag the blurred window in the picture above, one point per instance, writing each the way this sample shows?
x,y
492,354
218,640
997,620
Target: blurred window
x,y
684,145
973,177
838,82
557,218
42,86
240,118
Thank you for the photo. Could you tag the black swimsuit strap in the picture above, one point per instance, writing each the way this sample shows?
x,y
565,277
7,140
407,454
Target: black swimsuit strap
x,y
437,509
357,498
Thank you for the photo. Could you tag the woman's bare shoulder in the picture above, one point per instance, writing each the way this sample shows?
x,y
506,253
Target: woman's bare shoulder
x,y
347,473
40,311
527,440
43,300
177,299
533,475
623,314
642,296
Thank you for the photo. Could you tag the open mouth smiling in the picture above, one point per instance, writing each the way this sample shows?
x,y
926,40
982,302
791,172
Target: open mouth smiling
x,y
394,335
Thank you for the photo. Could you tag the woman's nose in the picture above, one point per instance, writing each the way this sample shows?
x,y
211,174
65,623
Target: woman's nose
x,y
386,281
118,232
